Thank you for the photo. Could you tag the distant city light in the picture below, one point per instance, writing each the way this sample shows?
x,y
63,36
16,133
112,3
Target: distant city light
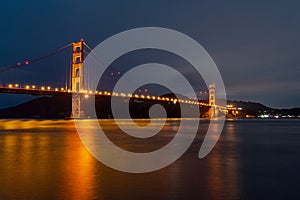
x,y
263,116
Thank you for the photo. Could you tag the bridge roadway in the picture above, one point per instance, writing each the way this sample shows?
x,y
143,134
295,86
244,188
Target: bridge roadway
x,y
63,92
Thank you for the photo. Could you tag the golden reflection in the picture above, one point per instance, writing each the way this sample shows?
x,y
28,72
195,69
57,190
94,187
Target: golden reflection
x,y
224,167
79,170
44,159
215,177
44,163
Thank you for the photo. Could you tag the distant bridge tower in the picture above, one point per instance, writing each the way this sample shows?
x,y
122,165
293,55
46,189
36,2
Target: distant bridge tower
x,y
212,94
77,80
212,100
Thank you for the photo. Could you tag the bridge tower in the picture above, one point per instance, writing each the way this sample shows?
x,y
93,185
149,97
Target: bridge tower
x,y
77,80
212,94
212,99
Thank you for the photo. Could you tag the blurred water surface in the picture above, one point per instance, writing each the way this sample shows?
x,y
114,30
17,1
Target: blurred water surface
x,y
254,159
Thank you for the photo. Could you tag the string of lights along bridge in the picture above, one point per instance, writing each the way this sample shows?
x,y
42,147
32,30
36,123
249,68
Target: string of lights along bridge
x,y
73,82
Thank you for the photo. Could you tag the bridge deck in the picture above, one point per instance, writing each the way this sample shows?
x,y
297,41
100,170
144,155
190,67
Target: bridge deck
x,y
39,91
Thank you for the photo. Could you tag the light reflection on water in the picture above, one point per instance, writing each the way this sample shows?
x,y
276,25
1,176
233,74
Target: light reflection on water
x,y
44,159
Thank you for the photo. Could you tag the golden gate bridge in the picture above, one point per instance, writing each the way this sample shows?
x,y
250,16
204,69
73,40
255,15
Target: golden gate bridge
x,y
75,84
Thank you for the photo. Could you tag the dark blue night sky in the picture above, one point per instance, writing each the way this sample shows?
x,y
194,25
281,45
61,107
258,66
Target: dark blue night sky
x,y
255,44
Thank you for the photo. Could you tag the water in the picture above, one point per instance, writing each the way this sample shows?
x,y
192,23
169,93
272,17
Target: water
x,y
254,159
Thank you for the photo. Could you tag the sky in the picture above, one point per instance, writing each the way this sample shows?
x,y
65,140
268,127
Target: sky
x,y
255,44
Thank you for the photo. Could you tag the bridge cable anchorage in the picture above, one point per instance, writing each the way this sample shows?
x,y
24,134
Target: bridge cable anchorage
x,y
4,69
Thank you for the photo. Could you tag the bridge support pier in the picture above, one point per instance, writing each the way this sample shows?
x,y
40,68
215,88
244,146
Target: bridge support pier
x,y
77,106
214,112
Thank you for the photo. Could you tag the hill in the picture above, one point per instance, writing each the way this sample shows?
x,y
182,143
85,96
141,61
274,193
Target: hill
x,y
61,107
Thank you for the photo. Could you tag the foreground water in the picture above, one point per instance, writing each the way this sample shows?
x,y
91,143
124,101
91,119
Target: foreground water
x,y
254,159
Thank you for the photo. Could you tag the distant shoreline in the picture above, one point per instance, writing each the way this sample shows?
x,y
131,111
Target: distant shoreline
x,y
60,107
